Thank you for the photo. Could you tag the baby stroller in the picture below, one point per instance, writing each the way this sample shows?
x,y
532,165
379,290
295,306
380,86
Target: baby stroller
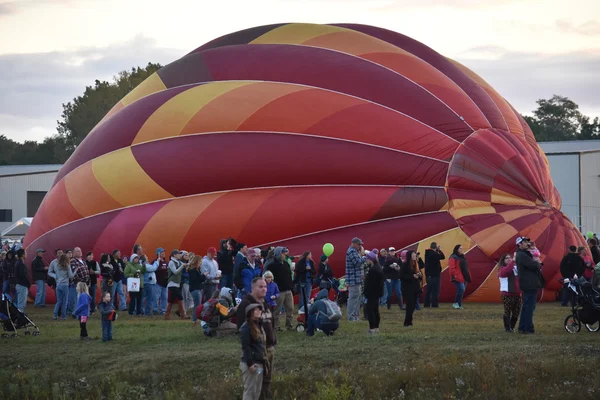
x,y
12,319
585,307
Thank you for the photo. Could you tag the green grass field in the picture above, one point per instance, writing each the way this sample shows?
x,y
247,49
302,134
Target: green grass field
x,y
448,354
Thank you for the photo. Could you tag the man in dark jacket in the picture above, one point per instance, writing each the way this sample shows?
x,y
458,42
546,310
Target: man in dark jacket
x,y
572,264
225,261
282,275
433,269
529,281
259,291
22,278
39,270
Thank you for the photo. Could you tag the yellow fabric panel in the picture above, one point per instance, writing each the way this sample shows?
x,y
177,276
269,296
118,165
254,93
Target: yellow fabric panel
x,y
152,84
355,43
170,119
462,208
168,227
295,33
86,195
124,179
493,237
502,197
514,214
488,291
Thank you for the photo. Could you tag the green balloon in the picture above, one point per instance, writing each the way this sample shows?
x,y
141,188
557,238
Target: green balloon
x,y
590,235
328,249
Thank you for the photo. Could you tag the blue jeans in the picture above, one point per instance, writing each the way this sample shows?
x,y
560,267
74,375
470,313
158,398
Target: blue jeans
x,y
40,293
526,320
161,295
460,291
118,289
383,299
307,289
22,292
314,323
62,299
93,296
149,293
394,286
226,281
6,287
106,330
432,291
72,302
197,296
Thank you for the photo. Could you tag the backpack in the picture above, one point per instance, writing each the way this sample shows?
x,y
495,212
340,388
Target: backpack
x,y
208,310
334,313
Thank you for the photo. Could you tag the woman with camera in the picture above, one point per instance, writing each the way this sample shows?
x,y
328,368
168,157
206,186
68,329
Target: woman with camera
x,y
411,278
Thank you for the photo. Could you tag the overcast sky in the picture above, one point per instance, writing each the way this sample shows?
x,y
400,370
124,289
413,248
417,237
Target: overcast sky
x,y
51,49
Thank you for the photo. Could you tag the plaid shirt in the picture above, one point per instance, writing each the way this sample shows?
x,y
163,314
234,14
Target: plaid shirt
x,y
82,273
354,267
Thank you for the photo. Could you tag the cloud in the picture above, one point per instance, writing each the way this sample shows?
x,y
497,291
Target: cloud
x,y
589,28
33,87
524,77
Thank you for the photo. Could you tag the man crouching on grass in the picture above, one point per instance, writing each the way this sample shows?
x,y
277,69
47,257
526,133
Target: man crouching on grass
x,y
259,291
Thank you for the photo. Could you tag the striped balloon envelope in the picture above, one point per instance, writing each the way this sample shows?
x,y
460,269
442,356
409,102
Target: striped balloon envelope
x,y
303,134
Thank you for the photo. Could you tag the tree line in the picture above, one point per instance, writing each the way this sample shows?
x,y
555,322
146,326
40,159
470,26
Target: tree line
x,y
554,119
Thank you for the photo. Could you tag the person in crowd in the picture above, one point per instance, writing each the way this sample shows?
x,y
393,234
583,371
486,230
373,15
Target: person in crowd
x,y
374,283
175,269
22,280
509,291
242,253
135,270
63,274
433,270
84,301
107,311
249,269
272,290
305,268
8,285
588,272
225,261
318,317
94,271
391,271
282,275
535,252
259,295
106,271
118,276
410,275
594,250
162,279
210,269
197,279
39,272
529,272
188,300
149,294
459,274
570,266
382,256
253,339
224,310
50,280
2,262
355,258
269,257
325,276
81,275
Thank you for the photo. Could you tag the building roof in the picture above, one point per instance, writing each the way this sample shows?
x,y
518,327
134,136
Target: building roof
x,y
12,170
570,146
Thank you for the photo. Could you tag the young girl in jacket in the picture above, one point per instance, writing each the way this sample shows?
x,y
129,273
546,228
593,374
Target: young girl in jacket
x,y
459,274
509,291
272,290
252,365
82,311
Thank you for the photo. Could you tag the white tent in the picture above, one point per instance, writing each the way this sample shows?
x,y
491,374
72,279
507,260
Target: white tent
x,y
19,228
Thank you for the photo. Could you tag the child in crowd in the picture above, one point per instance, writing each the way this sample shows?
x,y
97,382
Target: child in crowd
x,y
83,309
535,253
272,290
107,311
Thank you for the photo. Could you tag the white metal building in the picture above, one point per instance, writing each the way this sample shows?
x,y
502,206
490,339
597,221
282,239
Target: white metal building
x,y
22,189
575,170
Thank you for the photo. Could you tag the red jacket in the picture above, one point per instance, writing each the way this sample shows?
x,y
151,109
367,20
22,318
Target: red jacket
x,y
456,274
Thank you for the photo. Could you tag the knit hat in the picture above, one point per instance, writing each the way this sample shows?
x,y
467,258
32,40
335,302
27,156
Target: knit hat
x,y
372,255
226,293
134,256
323,258
278,251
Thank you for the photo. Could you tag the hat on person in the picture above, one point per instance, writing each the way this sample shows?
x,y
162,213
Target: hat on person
x,y
372,255
40,251
357,241
160,250
211,250
392,249
521,239
175,252
133,256
251,307
285,250
323,258
183,252
226,293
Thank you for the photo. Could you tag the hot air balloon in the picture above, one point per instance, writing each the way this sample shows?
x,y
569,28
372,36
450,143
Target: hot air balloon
x,y
304,134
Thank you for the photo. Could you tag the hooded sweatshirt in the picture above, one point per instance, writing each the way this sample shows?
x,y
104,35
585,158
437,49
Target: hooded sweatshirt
x,y
572,264
281,272
210,269
319,308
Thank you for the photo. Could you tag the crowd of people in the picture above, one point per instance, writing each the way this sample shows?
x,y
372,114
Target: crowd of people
x,y
241,290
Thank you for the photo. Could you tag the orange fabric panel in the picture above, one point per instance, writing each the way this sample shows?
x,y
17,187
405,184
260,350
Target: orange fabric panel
x,y
86,195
